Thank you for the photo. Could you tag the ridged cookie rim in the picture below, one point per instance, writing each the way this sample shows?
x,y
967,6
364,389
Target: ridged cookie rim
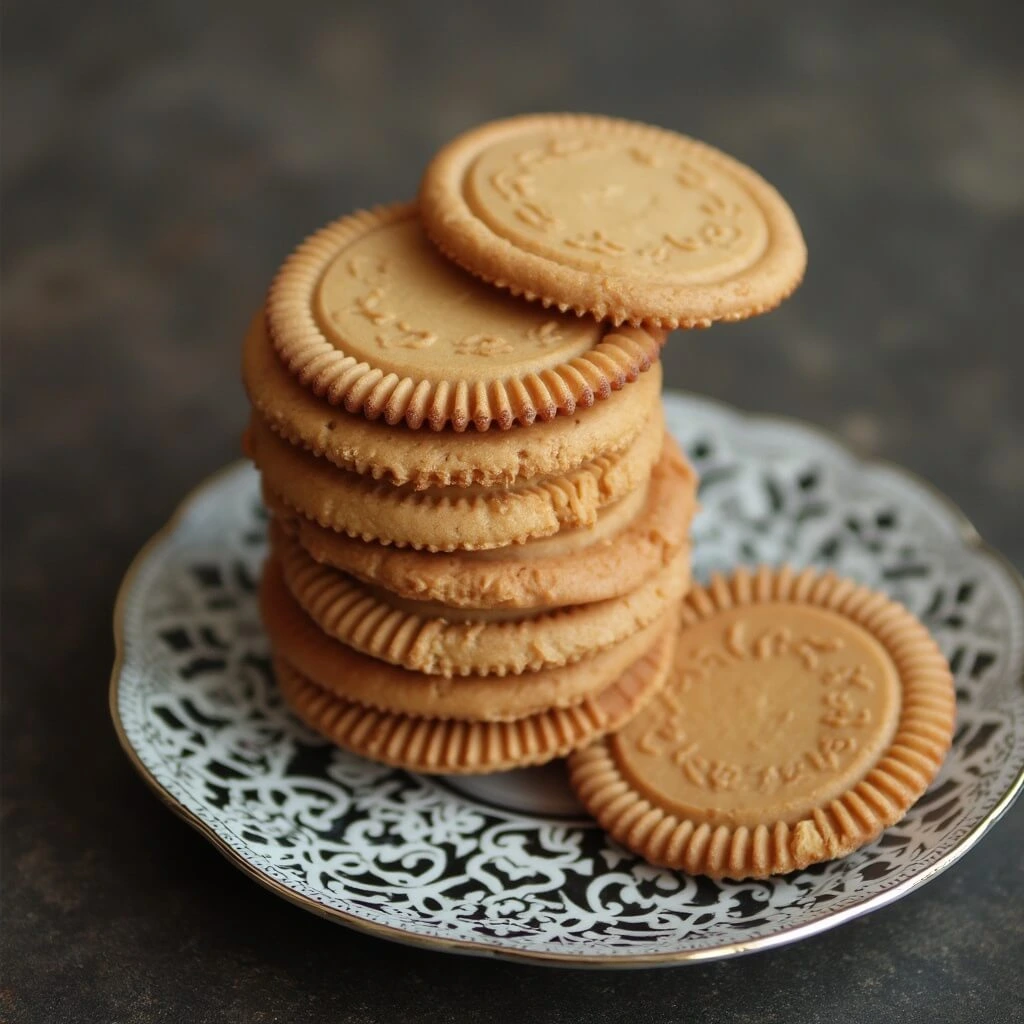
x,y
408,519
346,610
541,580
341,379
360,679
466,240
471,458
899,777
433,746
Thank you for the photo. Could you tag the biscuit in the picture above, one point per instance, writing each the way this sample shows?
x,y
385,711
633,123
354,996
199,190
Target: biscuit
x,y
339,550
355,677
451,746
620,220
368,315
804,714
423,459
436,640
449,518
631,541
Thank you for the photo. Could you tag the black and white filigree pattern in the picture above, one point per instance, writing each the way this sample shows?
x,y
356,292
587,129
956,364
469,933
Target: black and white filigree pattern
x,y
507,863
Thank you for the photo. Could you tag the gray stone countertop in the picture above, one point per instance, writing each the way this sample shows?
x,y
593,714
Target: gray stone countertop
x,y
160,159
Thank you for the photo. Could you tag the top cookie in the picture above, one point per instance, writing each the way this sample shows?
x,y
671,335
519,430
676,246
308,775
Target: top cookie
x,y
367,314
620,220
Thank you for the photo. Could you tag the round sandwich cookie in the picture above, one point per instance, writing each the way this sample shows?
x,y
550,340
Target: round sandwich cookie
x,y
449,518
355,677
631,541
431,638
367,314
424,459
803,715
623,221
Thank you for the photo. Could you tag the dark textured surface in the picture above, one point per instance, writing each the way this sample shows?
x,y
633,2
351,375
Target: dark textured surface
x,y
160,159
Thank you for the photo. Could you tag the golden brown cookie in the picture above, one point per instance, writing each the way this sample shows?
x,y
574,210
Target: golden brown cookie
x,y
368,315
437,640
449,518
620,220
341,551
423,459
354,677
452,746
631,541
804,715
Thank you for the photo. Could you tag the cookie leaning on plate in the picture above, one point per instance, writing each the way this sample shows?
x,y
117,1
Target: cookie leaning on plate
x,y
366,314
804,715
611,218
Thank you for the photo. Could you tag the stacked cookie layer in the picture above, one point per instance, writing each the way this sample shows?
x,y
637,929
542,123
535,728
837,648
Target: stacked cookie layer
x,y
480,527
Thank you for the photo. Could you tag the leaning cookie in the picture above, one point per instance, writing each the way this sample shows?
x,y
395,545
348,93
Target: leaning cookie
x,y
620,220
804,714
366,314
632,539
436,640
450,518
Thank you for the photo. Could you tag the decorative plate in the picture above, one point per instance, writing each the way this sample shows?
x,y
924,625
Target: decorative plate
x,y
506,864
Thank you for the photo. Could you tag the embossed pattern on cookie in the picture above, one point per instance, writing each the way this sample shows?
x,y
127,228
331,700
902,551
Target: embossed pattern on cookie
x,y
471,458
620,220
804,715
366,314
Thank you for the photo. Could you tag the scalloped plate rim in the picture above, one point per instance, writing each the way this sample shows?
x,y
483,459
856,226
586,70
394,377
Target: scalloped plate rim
x,y
963,529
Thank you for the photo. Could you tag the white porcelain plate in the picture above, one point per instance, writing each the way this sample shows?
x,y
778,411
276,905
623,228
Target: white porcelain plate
x,y
507,865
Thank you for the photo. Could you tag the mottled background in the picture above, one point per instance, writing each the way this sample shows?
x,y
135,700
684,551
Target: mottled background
x,y
160,159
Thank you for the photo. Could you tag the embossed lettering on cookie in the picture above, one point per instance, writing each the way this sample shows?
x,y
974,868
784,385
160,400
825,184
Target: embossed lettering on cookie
x,y
804,714
367,314
623,221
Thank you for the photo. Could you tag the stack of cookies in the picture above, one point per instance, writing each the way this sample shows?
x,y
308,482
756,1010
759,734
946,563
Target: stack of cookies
x,y
480,552
480,527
